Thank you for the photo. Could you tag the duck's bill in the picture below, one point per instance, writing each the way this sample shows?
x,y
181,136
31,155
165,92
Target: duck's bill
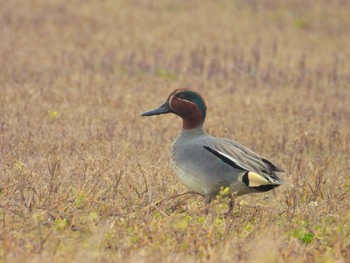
x,y
164,108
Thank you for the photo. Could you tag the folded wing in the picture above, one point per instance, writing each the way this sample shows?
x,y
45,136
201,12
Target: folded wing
x,y
260,172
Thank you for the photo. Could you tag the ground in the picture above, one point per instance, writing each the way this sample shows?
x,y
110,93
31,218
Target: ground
x,y
84,177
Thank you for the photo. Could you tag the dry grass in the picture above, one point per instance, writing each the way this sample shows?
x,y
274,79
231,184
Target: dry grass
x,y
84,177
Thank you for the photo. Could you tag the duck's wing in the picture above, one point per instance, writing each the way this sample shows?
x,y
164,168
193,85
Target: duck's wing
x,y
241,157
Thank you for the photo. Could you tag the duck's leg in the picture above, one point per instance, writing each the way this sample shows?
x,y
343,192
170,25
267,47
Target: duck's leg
x,y
231,203
208,199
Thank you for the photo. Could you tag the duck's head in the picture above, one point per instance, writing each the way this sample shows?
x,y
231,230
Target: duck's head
x,y
188,104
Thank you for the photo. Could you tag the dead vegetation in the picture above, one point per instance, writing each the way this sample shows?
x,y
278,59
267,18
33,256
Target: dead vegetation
x,y
84,177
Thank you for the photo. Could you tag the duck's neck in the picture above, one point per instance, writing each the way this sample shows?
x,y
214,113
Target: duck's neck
x,y
197,130
190,123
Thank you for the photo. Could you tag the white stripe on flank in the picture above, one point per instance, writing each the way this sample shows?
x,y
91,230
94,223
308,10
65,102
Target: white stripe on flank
x,y
233,160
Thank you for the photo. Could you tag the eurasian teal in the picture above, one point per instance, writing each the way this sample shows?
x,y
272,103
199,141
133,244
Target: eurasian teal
x,y
207,164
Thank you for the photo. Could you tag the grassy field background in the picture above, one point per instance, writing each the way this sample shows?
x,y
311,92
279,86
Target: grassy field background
x,y
84,178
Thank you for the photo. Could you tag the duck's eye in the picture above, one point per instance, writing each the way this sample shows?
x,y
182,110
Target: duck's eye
x,y
180,96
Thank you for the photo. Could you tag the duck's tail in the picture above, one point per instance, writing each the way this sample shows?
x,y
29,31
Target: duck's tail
x,y
261,183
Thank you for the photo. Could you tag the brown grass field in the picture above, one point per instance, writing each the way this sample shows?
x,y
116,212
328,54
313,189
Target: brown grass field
x,y
84,178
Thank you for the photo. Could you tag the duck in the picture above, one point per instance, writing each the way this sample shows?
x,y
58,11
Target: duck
x,y
210,165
